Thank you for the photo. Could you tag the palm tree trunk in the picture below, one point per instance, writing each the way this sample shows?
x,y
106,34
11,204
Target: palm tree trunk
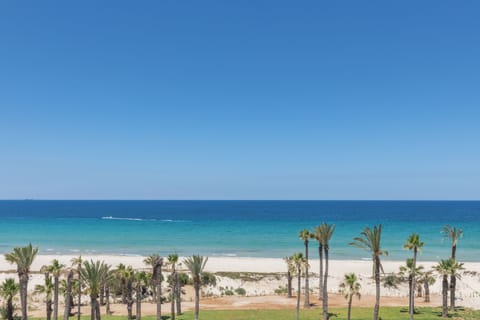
x,y
289,284
426,287
453,281
306,303
55,298
197,298
377,288
23,279
102,295
320,256
325,287
412,289
93,309
349,312
9,310
79,302
129,297
158,285
49,309
138,296
107,298
172,298
97,310
445,296
68,295
178,295
299,292
409,294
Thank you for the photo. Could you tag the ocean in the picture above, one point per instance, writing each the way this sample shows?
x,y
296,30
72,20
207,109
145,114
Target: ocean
x,y
233,228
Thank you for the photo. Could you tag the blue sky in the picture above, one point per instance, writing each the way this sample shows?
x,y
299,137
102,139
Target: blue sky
x,y
239,100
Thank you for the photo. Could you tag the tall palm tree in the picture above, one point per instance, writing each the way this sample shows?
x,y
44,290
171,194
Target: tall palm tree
x,y
195,264
68,295
290,272
47,290
454,234
305,236
413,243
77,262
156,262
370,240
55,269
173,260
318,235
8,290
93,274
23,257
326,232
350,287
427,280
300,263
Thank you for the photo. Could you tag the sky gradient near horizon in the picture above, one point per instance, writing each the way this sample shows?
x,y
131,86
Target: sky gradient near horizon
x,y
239,100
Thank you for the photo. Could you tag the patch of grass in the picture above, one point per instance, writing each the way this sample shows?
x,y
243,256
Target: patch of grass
x,y
386,313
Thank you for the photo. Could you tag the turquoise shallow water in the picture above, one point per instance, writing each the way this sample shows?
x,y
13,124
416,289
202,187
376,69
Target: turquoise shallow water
x,y
232,228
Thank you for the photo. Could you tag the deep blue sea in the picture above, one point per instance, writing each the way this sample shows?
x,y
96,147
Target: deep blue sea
x,y
233,228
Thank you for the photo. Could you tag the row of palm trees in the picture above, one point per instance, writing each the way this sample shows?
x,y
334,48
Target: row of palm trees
x,y
370,241
96,278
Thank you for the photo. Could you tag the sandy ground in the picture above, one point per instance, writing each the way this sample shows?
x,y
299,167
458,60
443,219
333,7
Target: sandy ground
x,y
260,277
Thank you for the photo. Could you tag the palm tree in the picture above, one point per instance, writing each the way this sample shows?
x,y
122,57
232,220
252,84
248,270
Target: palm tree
x,y
370,240
47,290
127,276
350,287
443,269
93,275
427,280
305,235
55,269
409,273
300,263
68,295
326,232
77,262
141,280
8,290
172,260
195,264
454,235
317,235
290,271
413,243
120,275
23,257
156,262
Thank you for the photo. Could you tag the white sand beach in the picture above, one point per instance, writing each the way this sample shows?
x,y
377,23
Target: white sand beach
x,y
271,275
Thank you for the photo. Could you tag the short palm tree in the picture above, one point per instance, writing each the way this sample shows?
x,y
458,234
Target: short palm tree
x,y
93,275
141,281
290,272
77,264
454,234
23,257
195,264
413,243
409,274
370,240
426,279
305,236
47,290
55,269
350,287
300,263
156,262
172,261
68,295
8,290
128,276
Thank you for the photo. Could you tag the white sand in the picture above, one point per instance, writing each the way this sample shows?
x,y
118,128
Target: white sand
x,y
468,287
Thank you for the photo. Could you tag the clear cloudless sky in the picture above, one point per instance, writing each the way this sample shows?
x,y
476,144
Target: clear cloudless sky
x,y
240,99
